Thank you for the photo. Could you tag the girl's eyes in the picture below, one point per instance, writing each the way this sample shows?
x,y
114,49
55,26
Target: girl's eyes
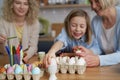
x,y
82,26
75,25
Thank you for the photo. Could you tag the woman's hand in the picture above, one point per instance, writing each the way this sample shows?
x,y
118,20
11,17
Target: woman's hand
x,y
2,38
91,59
25,59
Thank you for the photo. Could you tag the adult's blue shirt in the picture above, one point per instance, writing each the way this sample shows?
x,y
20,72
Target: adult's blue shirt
x,y
113,58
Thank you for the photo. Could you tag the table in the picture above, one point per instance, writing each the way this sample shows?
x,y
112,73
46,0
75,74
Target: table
x,y
96,73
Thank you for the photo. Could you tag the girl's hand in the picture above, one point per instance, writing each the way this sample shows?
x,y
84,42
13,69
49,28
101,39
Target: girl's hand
x,y
85,50
47,59
77,50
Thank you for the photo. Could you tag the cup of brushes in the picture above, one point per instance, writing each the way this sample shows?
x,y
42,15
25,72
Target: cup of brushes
x,y
15,54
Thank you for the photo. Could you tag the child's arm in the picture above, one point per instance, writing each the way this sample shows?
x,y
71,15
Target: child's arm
x,y
51,53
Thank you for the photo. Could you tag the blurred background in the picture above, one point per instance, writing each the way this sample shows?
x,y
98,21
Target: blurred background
x,y
51,16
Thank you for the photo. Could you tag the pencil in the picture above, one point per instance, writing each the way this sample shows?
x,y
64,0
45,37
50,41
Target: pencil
x,y
12,37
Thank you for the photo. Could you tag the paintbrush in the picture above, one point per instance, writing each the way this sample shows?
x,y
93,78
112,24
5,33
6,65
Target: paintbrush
x,y
12,37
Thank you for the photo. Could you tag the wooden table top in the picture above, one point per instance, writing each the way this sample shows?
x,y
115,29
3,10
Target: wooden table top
x,y
96,73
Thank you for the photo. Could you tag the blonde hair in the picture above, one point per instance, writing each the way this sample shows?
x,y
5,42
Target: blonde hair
x,y
81,13
31,16
107,3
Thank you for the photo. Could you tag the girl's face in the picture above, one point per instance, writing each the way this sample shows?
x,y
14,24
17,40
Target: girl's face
x,y
95,5
20,7
78,27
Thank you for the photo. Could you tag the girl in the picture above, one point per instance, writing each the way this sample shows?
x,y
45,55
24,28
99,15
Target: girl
x,y
77,32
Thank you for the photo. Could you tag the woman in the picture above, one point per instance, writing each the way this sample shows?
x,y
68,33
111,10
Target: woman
x,y
20,20
106,27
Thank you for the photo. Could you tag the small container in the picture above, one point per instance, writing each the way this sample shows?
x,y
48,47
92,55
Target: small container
x,y
71,69
80,69
35,76
2,76
63,68
53,33
41,55
27,76
10,76
19,76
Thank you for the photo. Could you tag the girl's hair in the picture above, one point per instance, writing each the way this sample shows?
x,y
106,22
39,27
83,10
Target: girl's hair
x,y
81,13
31,16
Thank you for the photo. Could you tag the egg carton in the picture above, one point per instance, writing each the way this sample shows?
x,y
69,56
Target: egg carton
x,y
72,69
71,65
21,76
